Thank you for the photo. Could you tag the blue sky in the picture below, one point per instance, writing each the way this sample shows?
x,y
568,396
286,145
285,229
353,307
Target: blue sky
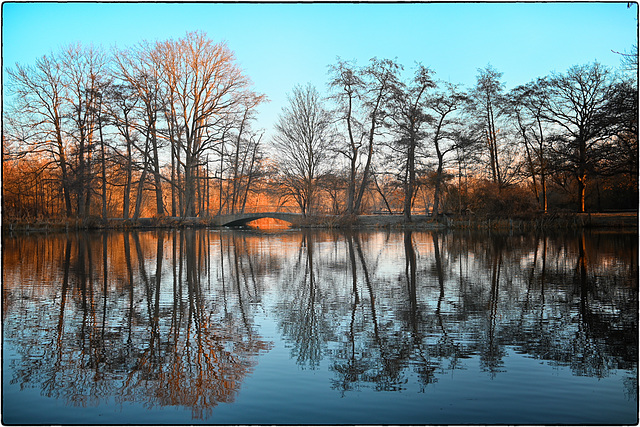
x,y
281,45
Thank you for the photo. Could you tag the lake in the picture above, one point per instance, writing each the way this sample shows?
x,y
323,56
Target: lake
x,y
320,327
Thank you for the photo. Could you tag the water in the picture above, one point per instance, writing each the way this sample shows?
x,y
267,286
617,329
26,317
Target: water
x,y
300,327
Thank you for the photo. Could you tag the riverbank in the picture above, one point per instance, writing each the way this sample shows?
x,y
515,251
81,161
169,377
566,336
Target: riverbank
x,y
625,220
551,221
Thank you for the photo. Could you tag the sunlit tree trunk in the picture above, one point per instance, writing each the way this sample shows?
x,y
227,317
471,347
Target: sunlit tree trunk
x,y
126,194
103,163
65,175
141,182
173,183
156,171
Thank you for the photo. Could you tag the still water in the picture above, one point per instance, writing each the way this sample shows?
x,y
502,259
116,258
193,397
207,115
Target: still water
x,y
318,327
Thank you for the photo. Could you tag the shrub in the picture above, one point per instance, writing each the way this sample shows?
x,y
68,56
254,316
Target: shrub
x,y
514,200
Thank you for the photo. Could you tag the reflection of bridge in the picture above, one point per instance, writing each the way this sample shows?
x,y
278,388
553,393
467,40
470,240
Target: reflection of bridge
x,y
239,219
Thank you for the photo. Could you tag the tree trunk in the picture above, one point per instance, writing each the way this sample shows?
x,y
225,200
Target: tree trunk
x,y
179,183
543,178
87,184
136,212
543,184
351,188
250,177
65,177
582,173
206,193
436,191
367,167
104,172
156,176
221,188
365,175
127,186
411,178
189,186
384,198
581,192
80,180
494,147
173,182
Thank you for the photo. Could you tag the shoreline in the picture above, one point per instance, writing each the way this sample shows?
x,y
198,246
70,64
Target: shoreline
x,y
549,221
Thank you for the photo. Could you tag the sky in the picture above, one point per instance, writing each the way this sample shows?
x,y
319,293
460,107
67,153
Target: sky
x,y
280,45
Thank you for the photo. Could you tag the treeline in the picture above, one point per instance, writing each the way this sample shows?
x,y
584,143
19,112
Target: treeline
x,y
169,128
565,141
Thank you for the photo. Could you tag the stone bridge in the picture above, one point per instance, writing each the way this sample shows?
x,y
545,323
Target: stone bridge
x,y
240,219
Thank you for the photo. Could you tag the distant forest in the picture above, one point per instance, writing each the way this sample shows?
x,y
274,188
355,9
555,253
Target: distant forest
x,y
168,128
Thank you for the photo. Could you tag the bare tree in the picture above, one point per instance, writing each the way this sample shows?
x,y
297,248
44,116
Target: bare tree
x,y
380,77
408,119
139,67
362,95
620,154
204,84
302,143
86,74
526,104
348,87
575,106
629,60
120,110
485,106
40,103
244,158
443,107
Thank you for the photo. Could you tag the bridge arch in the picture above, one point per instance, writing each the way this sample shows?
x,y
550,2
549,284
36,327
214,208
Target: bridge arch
x,y
242,219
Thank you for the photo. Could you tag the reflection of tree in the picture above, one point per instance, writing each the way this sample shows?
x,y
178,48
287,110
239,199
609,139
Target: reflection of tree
x,y
118,331
375,355
167,318
492,352
446,346
587,322
366,357
304,321
410,274
494,307
589,343
350,367
203,360
415,321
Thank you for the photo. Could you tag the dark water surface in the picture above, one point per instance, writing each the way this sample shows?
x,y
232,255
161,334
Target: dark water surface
x,y
299,327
